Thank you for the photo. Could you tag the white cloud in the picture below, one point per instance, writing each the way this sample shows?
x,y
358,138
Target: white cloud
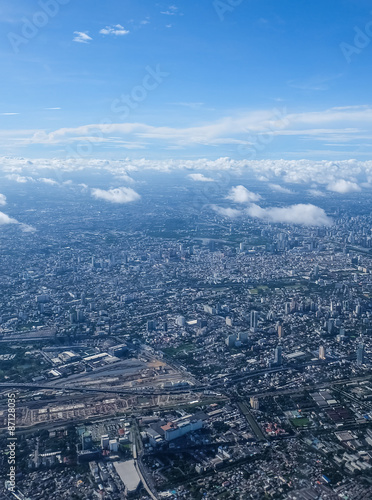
x,y
5,219
2,199
307,215
335,126
200,178
172,11
126,178
240,194
117,195
46,180
18,178
331,124
9,114
309,173
316,192
227,212
342,186
280,189
81,37
117,30
191,105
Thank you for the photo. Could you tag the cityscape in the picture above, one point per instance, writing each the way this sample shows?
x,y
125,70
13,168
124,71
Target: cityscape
x,y
180,355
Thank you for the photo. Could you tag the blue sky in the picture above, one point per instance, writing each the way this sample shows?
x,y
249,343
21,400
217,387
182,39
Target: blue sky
x,y
260,79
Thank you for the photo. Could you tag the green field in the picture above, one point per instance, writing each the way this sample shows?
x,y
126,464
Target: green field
x,y
300,422
172,351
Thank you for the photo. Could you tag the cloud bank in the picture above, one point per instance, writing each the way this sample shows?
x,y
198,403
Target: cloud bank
x,y
346,176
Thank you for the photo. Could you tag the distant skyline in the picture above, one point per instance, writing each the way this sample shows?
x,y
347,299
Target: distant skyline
x,y
260,79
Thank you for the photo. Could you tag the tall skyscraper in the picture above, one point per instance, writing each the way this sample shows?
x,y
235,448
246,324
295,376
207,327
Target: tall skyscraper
x,y
322,354
360,354
278,355
316,271
280,331
254,319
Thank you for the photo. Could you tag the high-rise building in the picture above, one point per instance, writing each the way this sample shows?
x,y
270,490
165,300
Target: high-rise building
x,y
254,403
322,354
181,321
280,331
230,340
330,325
151,325
316,271
114,445
243,336
105,442
254,319
278,355
360,354
86,441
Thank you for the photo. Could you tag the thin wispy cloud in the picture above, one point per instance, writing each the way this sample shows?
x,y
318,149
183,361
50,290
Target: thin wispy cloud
x,y
232,213
331,124
280,189
82,37
316,192
116,30
46,180
171,11
192,105
9,114
2,199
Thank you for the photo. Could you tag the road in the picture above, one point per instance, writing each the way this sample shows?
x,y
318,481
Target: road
x,y
251,421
